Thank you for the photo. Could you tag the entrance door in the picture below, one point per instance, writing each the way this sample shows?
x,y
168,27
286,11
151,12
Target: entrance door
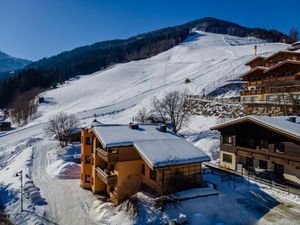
x,y
278,171
249,162
249,165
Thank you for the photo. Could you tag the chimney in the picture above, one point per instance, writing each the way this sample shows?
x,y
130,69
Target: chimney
x,y
133,126
255,50
163,128
292,119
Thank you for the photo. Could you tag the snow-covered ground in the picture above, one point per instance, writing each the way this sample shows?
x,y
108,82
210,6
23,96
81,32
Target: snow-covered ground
x,y
114,95
240,203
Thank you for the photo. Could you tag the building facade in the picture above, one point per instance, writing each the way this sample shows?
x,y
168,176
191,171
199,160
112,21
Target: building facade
x,y
262,145
273,85
113,154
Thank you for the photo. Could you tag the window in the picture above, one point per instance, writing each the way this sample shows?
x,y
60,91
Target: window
x,y
227,158
228,140
153,175
280,148
88,141
290,73
111,188
264,144
112,167
143,169
263,164
87,159
250,142
87,178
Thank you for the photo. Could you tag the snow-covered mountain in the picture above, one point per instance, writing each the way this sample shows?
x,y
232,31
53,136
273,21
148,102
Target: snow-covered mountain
x,y
205,58
9,63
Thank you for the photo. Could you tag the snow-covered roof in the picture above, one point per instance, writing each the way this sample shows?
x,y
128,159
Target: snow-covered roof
x,y
157,148
296,43
287,61
280,124
281,52
257,58
257,68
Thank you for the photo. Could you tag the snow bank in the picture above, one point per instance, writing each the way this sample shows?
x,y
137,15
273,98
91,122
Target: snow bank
x,y
107,213
64,170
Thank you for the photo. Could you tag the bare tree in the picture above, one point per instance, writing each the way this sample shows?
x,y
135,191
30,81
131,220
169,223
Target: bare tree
x,y
174,107
62,126
142,115
23,106
293,35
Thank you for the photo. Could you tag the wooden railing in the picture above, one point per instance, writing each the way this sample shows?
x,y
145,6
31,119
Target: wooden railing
x,y
106,178
107,156
252,92
251,152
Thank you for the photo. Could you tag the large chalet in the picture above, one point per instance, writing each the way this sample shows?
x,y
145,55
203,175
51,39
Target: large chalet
x,y
273,84
262,145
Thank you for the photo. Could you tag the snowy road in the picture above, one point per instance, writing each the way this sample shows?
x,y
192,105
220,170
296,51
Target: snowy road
x,y
68,204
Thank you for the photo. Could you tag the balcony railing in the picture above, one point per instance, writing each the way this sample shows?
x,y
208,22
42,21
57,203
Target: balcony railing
x,y
107,156
108,179
254,83
266,154
252,92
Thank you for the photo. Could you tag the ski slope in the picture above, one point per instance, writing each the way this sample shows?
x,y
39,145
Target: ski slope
x,y
204,58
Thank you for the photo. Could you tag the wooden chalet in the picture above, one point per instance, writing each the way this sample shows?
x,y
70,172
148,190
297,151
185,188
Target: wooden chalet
x,y
263,145
273,85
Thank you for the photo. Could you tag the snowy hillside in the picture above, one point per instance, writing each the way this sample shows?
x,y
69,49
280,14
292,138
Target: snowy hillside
x,y
204,58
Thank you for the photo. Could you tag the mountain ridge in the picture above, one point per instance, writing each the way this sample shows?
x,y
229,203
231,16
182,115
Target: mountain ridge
x,y
9,63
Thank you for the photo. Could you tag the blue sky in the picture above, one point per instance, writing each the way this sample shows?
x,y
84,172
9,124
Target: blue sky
x,y
34,29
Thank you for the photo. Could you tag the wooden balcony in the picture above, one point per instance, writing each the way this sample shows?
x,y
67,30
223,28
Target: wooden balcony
x,y
254,83
252,92
108,179
264,154
107,156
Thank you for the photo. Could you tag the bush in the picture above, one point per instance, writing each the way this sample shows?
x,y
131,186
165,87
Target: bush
x,y
128,188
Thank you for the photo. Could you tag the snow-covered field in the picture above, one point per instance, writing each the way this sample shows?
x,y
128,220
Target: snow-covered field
x,y
114,96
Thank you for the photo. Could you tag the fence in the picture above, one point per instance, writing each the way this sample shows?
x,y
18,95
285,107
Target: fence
x,y
234,100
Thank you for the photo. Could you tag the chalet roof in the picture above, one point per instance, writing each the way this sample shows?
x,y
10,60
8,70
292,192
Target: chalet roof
x,y
281,52
257,58
278,124
158,149
254,70
281,64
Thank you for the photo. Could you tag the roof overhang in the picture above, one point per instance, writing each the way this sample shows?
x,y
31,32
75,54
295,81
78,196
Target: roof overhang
x,y
254,70
257,58
281,52
257,122
282,64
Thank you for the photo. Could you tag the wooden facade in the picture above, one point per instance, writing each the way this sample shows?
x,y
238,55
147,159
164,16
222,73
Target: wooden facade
x,y
256,148
273,85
